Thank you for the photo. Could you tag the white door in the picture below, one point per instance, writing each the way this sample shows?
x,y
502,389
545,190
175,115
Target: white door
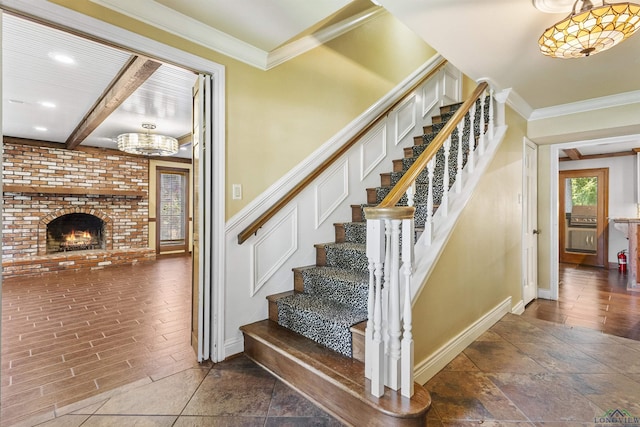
x,y
530,221
201,284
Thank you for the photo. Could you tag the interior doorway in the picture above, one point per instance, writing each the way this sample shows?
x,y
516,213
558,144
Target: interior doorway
x,y
583,211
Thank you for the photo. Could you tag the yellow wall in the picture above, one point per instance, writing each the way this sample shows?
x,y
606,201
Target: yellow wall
x,y
153,187
481,263
277,118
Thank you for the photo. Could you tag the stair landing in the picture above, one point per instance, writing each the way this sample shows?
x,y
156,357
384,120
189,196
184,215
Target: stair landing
x,y
332,381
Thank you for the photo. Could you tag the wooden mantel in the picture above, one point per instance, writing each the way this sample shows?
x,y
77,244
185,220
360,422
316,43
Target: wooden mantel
x,y
81,191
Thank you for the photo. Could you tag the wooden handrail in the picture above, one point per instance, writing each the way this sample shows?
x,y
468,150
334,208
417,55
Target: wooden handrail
x,y
284,200
414,170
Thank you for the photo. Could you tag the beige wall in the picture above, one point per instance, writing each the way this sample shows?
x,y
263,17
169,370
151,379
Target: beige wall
x,y
277,118
481,264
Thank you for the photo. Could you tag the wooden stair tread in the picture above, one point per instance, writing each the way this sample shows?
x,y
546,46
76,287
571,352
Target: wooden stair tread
x,y
333,381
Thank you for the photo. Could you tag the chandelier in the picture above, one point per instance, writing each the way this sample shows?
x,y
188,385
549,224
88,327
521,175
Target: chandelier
x,y
591,30
147,144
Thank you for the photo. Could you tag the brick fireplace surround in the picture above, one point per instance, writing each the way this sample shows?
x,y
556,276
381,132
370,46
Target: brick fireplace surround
x,y
42,182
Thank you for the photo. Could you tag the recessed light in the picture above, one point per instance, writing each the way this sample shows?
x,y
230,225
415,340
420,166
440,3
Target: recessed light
x,y
40,128
62,58
47,104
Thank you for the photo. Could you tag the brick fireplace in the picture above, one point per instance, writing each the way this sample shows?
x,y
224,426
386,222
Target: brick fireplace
x,y
44,185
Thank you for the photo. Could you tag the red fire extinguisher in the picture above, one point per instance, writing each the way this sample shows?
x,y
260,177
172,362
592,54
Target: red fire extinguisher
x,y
622,262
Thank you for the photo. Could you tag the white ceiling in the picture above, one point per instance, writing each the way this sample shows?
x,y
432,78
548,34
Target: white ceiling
x,y
44,99
483,38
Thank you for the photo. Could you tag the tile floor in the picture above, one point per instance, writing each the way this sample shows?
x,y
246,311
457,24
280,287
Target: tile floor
x,y
522,371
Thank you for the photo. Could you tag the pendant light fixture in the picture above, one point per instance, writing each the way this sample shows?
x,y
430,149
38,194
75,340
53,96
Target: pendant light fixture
x,y
147,144
590,30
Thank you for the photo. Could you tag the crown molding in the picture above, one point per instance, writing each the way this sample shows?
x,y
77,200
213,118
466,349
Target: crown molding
x,y
609,101
167,19
291,50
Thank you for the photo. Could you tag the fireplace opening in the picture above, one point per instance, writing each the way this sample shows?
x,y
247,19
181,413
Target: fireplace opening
x,y
75,232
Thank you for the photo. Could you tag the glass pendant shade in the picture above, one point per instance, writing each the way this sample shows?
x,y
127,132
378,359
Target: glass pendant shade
x,y
147,144
591,30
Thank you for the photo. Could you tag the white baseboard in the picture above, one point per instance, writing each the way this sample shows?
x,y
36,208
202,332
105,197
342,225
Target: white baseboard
x,y
426,369
518,308
544,293
233,346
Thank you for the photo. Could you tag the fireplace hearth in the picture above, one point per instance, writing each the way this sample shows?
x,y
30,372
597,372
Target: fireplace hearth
x,y
75,232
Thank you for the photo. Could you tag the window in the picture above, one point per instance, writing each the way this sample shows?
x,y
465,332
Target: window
x,y
172,210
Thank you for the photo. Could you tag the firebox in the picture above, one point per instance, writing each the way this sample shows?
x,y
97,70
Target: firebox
x,y
75,232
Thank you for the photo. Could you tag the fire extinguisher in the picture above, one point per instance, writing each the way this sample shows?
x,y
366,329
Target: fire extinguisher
x,y
622,262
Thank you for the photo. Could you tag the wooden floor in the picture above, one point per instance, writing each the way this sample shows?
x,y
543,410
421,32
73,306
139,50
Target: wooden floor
x,y
72,335
594,298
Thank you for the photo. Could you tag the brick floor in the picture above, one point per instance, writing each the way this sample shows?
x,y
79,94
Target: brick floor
x,y
73,335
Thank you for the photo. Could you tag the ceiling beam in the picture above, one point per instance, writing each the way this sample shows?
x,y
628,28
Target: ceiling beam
x,y
184,139
573,153
130,77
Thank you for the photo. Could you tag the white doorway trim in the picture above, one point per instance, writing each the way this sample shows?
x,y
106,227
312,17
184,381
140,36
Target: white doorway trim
x,y
554,170
64,17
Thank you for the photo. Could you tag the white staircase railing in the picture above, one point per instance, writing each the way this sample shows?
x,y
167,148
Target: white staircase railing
x,y
389,358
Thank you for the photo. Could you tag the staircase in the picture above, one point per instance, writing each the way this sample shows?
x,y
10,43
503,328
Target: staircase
x,y
314,337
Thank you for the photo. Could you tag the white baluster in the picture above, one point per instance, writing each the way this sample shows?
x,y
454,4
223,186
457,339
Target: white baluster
x,y
428,226
411,191
471,160
491,114
393,378
368,330
481,140
406,373
375,349
444,202
385,294
460,158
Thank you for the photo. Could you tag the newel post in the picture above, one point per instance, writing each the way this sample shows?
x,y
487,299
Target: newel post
x,y
388,339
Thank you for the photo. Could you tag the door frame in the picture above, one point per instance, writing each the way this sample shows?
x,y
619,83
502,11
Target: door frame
x,y
601,259
187,219
110,34
529,208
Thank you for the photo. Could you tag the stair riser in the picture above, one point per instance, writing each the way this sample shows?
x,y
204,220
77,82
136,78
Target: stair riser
x,y
316,328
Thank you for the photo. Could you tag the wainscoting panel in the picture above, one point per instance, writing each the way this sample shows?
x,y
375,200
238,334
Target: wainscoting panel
x,y
272,248
332,189
451,83
405,118
373,150
430,96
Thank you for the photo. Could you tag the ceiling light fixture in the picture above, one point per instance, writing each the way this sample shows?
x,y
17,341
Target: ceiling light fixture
x,y
147,144
591,30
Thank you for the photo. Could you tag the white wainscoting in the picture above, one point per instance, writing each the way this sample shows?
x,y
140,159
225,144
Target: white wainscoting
x,y
263,264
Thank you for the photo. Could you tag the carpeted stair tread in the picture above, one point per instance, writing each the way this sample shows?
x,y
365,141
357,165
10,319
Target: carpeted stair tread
x,y
355,232
348,255
344,286
322,320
